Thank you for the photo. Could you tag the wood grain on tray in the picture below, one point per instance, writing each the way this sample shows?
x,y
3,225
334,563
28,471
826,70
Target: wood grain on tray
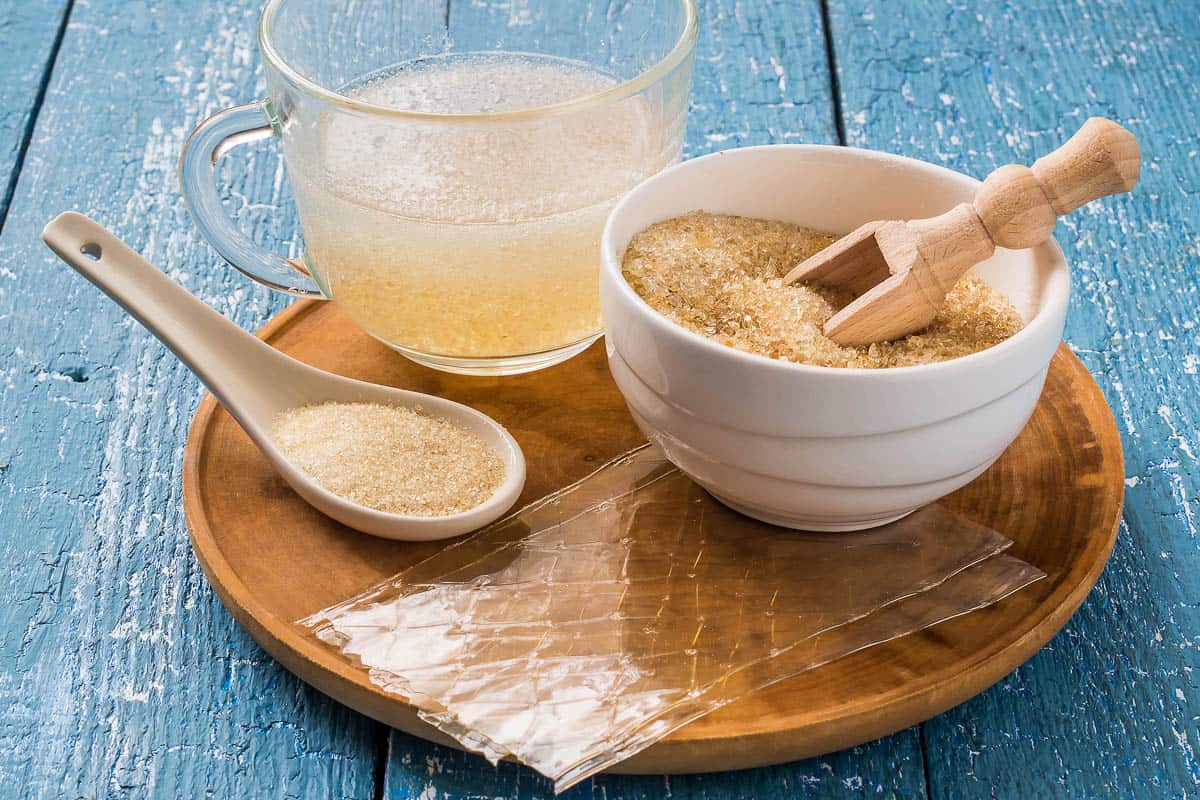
x,y
1056,492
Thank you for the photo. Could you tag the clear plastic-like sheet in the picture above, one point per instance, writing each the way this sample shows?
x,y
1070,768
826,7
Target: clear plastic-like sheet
x,y
591,624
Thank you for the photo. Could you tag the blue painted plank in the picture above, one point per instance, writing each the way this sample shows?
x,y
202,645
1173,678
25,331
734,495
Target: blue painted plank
x,y
120,673
888,768
761,77
29,31
1109,709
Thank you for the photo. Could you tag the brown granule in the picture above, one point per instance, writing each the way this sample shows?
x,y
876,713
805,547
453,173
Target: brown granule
x,y
722,277
390,458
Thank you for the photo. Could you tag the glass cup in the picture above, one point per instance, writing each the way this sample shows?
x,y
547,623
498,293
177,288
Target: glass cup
x,y
453,164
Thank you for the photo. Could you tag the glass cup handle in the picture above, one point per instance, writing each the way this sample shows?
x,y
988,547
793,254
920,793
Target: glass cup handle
x,y
197,173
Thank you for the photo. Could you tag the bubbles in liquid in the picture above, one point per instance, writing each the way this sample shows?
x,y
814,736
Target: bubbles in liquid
x,y
481,83
474,237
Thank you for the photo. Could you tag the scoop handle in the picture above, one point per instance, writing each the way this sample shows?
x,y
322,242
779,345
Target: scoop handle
x,y
245,373
1019,206
1102,158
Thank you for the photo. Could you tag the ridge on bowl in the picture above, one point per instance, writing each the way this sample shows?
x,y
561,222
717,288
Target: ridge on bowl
x,y
820,448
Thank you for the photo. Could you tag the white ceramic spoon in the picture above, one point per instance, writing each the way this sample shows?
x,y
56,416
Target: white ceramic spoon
x,y
256,382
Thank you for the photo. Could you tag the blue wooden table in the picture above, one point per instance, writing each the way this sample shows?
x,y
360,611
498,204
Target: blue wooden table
x,y
122,676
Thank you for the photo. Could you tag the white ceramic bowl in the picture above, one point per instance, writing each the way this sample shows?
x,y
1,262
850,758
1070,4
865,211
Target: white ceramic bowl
x,y
818,448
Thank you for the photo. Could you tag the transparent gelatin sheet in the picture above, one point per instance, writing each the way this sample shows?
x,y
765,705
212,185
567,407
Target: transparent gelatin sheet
x,y
590,624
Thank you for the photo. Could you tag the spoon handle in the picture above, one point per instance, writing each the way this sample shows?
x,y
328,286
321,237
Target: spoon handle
x,y
252,380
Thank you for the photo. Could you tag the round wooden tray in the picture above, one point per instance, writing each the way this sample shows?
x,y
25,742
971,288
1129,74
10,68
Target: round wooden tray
x,y
272,559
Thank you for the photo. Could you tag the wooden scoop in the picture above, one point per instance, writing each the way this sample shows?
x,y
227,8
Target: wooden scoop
x,y
901,271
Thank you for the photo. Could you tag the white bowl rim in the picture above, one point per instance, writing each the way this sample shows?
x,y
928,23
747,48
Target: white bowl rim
x,y
610,263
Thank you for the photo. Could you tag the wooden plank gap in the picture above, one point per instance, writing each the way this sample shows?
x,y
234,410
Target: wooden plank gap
x,y
383,738
835,91
924,734
39,98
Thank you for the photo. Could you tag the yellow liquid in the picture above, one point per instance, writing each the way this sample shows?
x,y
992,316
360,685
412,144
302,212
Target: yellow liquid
x,y
475,240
